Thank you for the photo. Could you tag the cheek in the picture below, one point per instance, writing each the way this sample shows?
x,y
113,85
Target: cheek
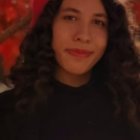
x,y
60,36
100,38
58,42
63,32
100,41
100,32
100,52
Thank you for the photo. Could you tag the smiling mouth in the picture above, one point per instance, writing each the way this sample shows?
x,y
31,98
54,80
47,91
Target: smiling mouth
x,y
81,53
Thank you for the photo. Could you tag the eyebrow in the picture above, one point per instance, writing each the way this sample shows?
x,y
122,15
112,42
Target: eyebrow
x,y
101,15
69,9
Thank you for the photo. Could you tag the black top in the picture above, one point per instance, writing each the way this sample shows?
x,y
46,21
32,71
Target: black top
x,y
81,113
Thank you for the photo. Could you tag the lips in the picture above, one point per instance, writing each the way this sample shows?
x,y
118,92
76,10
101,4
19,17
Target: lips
x,y
81,53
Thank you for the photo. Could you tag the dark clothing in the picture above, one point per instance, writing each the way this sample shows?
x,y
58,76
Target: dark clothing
x,y
81,113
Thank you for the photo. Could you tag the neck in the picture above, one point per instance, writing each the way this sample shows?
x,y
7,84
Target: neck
x,y
73,80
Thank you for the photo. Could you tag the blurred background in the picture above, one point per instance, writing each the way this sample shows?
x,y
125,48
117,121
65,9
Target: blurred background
x,y
18,16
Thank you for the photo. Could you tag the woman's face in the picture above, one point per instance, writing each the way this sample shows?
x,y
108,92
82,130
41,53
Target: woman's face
x,y
79,36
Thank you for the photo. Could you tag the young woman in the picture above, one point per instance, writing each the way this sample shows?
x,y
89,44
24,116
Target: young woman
x,y
78,77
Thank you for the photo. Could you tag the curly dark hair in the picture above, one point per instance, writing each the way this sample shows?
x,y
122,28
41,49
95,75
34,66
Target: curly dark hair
x,y
118,71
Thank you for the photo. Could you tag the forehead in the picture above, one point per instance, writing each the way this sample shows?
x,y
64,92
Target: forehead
x,y
85,6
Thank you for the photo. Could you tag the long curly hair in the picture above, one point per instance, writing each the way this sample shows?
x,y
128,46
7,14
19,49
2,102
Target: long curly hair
x,y
118,71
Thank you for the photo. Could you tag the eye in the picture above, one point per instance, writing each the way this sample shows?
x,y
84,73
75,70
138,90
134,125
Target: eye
x,y
70,18
100,23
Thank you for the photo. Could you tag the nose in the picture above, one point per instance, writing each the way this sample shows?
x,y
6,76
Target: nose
x,y
82,34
